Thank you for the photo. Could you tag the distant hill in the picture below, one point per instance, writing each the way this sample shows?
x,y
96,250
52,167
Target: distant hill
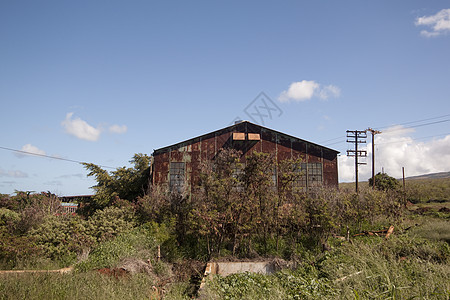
x,y
431,176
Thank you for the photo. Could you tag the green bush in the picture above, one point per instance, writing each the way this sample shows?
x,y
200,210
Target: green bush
x,y
63,238
57,238
16,250
138,243
8,217
384,182
109,222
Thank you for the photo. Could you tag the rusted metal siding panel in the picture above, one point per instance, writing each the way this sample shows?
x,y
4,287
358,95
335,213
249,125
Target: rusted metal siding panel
x,y
196,146
197,150
330,173
284,149
299,147
207,148
255,146
223,140
314,159
268,143
161,168
177,155
314,150
195,167
283,153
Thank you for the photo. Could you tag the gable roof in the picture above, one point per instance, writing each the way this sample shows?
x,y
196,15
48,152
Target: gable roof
x,y
244,126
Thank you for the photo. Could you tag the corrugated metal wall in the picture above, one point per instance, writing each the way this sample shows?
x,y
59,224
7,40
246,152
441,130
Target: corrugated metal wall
x,y
256,138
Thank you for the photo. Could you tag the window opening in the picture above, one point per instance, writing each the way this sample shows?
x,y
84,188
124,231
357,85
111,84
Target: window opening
x,y
315,177
177,171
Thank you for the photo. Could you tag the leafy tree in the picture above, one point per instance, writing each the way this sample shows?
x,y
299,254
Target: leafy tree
x,y
260,195
154,205
123,183
384,182
287,209
64,237
217,213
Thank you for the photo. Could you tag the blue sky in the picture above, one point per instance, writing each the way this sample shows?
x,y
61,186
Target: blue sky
x,y
98,81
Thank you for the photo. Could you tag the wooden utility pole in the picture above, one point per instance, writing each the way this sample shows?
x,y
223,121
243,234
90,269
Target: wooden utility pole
x,y
373,131
357,137
404,186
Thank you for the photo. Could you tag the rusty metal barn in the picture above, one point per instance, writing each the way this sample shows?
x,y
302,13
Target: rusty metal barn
x,y
178,166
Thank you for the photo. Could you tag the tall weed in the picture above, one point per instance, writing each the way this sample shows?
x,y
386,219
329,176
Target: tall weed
x,y
137,243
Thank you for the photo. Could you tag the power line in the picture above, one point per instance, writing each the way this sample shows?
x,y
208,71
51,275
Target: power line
x,y
51,157
335,143
420,138
341,137
415,139
412,122
415,126
399,129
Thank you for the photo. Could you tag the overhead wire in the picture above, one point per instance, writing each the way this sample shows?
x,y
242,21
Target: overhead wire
x,y
415,139
412,122
415,126
397,129
51,157
335,143
412,139
329,140
332,139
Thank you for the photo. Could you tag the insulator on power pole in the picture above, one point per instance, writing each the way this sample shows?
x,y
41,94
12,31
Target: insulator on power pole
x,y
374,132
357,137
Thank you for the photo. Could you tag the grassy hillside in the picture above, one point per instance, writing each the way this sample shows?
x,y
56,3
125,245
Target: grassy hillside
x,y
427,188
115,250
431,176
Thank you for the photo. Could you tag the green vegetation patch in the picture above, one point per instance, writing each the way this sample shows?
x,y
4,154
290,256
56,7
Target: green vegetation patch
x,y
90,285
400,268
138,243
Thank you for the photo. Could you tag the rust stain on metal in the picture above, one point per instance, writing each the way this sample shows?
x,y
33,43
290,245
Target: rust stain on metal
x,y
247,138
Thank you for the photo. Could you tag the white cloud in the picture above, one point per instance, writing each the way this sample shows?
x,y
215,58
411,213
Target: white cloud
x,y
118,129
329,91
80,129
438,23
28,148
394,149
299,91
53,182
13,174
68,176
307,89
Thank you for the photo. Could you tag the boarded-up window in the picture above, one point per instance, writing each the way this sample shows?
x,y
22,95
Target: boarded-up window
x,y
238,136
177,176
254,137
